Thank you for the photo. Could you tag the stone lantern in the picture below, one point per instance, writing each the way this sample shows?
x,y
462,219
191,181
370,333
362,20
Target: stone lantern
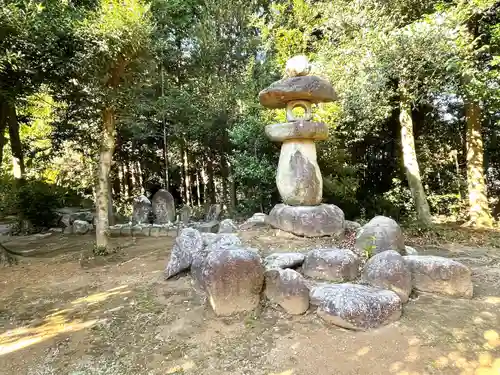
x,y
298,177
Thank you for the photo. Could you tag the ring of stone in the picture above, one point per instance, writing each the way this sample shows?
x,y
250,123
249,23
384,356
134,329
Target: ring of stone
x,y
306,105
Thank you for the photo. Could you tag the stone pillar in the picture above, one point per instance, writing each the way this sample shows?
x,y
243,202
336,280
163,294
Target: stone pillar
x,y
298,177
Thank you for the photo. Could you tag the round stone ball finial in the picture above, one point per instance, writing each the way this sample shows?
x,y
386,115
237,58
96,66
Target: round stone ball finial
x,y
297,66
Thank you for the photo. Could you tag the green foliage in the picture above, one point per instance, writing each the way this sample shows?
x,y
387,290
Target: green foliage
x,y
399,201
34,201
449,205
369,247
183,78
101,251
254,162
8,201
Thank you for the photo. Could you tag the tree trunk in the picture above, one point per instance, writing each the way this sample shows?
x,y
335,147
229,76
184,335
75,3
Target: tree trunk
x,y
3,126
232,191
211,183
129,179
198,188
204,177
224,180
15,142
479,212
111,211
187,177
165,138
411,164
139,176
103,188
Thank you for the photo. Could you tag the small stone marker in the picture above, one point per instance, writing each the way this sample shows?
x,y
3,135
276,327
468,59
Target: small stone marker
x,y
185,215
141,210
213,213
163,207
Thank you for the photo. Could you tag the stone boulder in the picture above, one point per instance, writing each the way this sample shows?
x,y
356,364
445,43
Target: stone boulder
x,y
68,215
298,176
232,280
356,307
81,227
380,234
351,226
284,260
257,219
311,88
185,215
388,270
223,241
410,250
188,243
211,242
227,226
163,207
440,275
141,210
331,264
297,66
208,238
308,221
287,288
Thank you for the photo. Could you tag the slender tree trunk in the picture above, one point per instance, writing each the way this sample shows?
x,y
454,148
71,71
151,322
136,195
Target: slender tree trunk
x,y
111,211
165,144
140,178
15,142
121,181
103,188
211,182
129,179
224,180
411,164
198,188
3,126
476,183
204,177
232,190
182,174
134,178
116,180
186,180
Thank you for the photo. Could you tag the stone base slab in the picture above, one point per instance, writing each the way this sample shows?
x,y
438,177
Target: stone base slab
x,y
308,221
143,230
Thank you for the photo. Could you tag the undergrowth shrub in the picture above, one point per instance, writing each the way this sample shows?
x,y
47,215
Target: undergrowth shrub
x,y
34,201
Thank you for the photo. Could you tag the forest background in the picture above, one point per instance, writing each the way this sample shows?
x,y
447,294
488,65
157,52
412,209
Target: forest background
x,y
103,100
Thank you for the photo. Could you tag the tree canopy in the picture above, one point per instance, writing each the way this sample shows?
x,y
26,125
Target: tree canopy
x,y
114,98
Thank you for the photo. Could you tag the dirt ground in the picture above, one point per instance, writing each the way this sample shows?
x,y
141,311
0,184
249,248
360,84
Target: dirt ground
x,y
64,313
